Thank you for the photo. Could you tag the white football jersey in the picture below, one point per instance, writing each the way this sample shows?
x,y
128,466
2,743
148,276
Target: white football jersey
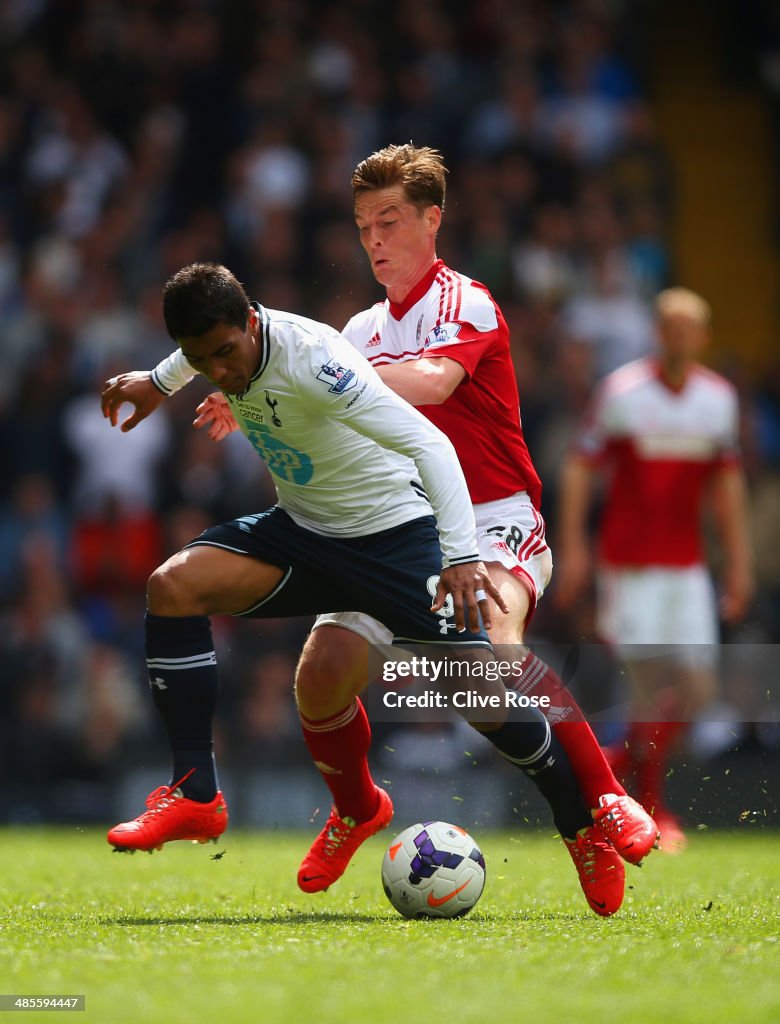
x,y
348,456
660,446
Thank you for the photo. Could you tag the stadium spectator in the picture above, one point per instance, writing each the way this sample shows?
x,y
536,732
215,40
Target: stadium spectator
x,y
32,518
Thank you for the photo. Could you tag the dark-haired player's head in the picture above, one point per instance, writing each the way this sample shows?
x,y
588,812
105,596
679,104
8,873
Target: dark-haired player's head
x,y
207,313
200,296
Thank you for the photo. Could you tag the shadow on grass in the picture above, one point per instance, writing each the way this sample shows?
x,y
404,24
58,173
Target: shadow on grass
x,y
304,919
299,918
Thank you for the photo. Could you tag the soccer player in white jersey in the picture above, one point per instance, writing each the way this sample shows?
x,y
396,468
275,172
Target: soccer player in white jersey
x,y
665,429
373,514
440,341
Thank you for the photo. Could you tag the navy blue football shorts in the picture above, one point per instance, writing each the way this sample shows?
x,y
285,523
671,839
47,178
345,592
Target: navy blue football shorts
x,y
391,575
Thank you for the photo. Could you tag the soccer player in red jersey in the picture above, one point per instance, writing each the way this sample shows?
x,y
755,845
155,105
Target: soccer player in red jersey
x,y
664,429
440,341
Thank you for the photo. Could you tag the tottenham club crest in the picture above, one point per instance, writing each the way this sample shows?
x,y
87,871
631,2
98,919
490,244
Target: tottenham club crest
x,y
338,378
272,404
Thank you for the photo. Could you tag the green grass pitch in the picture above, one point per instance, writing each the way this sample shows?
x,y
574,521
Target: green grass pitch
x,y
188,935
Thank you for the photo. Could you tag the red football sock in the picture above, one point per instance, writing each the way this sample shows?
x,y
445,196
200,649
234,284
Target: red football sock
x,y
590,766
339,746
594,775
650,744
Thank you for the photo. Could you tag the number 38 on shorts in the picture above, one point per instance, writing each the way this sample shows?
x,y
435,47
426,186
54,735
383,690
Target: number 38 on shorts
x,y
447,611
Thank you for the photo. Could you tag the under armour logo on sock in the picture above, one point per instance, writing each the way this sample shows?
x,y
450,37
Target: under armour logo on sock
x,y
326,769
159,683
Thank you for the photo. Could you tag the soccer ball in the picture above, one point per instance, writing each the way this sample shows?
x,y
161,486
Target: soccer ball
x,y
433,869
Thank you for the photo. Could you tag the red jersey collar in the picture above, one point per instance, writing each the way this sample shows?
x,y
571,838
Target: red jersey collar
x,y
400,309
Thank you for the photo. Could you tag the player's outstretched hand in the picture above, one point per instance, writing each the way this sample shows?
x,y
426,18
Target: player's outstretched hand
x,y
136,388
215,413
470,586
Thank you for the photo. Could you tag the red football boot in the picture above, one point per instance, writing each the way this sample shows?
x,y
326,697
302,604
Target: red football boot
x,y
170,815
336,845
601,871
625,823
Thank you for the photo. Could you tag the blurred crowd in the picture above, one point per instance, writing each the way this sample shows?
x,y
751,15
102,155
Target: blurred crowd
x,y
137,138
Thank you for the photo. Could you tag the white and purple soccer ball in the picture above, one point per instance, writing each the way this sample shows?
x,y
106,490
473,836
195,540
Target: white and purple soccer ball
x,y
433,869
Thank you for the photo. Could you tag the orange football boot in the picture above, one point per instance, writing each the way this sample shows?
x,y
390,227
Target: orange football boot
x,y
625,823
170,815
601,871
337,843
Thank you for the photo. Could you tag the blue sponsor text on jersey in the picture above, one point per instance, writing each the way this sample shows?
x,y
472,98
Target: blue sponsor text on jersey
x,y
285,462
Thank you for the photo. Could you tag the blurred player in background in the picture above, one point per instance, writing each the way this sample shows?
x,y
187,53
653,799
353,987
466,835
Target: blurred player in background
x,y
439,341
665,431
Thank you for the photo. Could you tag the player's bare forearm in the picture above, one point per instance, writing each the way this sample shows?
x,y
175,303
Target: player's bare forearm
x,y
135,388
423,381
729,501
574,565
469,584
574,501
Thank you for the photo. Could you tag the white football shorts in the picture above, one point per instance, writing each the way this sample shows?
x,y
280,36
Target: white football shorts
x,y
510,531
659,612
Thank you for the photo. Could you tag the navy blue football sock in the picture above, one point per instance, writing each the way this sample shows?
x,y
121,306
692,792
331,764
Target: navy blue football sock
x,y
532,746
183,678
